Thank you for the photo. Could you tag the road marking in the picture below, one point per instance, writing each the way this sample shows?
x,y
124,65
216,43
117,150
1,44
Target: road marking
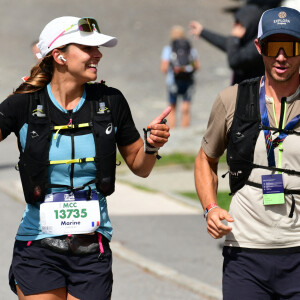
x,y
13,189
162,271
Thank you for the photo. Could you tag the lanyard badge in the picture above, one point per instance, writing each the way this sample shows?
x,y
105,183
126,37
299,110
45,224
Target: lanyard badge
x,y
272,186
273,190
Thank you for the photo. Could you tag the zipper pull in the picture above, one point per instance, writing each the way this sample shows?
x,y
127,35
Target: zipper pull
x,y
70,124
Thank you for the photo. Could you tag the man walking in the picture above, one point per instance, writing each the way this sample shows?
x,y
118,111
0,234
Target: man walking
x,y
257,122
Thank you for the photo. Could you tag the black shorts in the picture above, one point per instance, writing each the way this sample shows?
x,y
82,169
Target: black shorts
x,y
181,88
261,275
36,269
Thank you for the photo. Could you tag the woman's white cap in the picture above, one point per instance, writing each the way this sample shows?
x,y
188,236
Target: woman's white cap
x,y
54,28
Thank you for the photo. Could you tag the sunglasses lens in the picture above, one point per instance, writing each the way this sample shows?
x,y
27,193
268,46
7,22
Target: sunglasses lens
x,y
274,48
271,49
297,48
88,25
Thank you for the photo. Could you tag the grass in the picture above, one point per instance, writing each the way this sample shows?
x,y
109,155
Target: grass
x,y
223,198
170,159
176,158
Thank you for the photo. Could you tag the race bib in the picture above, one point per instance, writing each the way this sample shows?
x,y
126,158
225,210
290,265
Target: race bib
x,y
70,213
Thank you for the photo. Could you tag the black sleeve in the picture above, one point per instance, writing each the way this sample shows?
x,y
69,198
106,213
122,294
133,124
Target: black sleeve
x,y
13,114
215,39
126,131
242,57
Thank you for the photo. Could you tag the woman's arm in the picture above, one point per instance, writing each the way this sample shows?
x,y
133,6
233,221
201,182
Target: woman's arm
x,y
137,160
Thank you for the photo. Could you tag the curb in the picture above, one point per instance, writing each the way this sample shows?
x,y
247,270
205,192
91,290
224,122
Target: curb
x,y
196,286
13,190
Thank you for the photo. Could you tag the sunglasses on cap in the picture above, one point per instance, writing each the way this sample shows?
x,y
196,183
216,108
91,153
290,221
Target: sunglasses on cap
x,y
271,49
84,24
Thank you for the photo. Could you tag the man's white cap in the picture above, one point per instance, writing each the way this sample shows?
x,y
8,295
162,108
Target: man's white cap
x,y
54,28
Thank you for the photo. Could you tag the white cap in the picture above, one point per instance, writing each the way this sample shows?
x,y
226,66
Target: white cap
x,y
54,28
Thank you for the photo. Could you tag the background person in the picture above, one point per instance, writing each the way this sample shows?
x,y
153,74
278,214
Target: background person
x,y
242,57
179,61
36,54
67,133
36,51
258,122
265,4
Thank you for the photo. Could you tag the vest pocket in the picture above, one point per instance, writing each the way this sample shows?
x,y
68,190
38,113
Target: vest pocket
x,y
244,140
105,143
240,153
38,138
106,174
34,177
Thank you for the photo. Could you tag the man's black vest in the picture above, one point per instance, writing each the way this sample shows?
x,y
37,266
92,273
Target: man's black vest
x,y
95,117
243,134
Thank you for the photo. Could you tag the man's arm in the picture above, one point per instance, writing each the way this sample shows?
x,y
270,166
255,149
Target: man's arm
x,y
206,181
213,38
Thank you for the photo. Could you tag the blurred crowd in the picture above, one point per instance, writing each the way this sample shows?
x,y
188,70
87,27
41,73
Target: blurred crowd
x,y
242,56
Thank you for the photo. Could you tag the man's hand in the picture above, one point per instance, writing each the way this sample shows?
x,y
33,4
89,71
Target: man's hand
x,y
238,30
159,133
215,227
195,29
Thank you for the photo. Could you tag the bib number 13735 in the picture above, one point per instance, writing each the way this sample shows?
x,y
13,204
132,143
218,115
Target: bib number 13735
x,y
73,214
70,213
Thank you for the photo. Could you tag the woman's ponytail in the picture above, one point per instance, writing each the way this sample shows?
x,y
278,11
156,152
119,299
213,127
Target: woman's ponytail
x,y
40,76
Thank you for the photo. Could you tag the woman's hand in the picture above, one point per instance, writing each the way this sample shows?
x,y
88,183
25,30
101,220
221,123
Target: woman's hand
x,y
137,160
159,133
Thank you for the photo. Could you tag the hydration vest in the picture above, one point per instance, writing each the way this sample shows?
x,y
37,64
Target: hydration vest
x,y
94,117
243,135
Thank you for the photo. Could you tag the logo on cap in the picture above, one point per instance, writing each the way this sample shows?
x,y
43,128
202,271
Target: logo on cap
x,y
282,20
282,15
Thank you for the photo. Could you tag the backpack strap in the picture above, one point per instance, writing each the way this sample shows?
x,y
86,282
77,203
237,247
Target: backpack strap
x,y
38,106
102,100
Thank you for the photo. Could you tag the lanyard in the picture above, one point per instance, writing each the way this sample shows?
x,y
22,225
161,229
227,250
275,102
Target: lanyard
x,y
270,144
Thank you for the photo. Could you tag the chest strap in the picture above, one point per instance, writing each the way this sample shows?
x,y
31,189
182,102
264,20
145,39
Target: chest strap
x,y
72,188
285,191
72,161
282,130
287,171
69,126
